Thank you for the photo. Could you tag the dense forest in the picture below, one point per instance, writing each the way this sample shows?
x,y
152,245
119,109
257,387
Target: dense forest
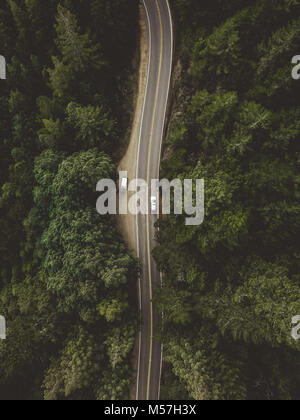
x,y
232,285
67,281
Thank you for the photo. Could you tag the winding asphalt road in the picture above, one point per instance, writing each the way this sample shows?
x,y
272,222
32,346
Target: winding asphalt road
x,y
148,165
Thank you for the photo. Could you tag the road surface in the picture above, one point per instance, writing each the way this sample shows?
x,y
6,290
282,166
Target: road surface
x,y
148,165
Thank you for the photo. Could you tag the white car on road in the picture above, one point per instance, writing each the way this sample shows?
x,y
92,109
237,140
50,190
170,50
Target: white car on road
x,y
123,184
154,204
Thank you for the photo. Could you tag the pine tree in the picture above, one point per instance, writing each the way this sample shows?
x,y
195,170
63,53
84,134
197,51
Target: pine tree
x,y
77,50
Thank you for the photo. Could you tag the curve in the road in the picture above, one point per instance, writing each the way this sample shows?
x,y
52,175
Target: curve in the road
x,y
160,32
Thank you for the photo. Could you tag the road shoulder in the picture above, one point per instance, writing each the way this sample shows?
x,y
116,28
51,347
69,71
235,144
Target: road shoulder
x,y
127,223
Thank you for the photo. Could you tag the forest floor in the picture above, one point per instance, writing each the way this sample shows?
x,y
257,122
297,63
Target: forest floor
x,y
127,223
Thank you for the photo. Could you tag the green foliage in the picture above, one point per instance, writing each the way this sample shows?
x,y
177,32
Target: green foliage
x,y
77,368
94,126
51,133
113,307
279,46
205,371
78,53
118,344
66,277
76,50
222,48
268,299
231,285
